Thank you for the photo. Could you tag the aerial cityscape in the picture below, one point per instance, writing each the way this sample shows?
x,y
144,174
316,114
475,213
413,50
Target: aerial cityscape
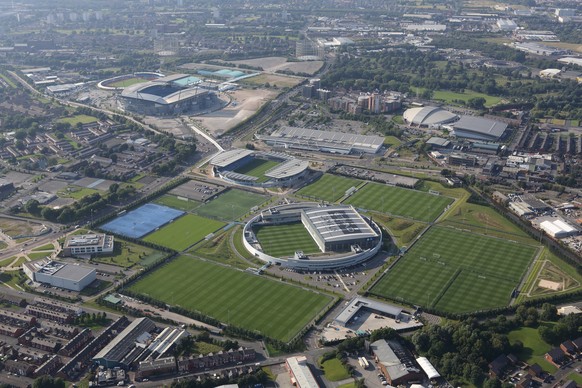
x,y
305,193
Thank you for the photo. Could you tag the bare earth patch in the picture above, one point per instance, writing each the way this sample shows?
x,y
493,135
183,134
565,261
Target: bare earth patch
x,y
272,64
244,104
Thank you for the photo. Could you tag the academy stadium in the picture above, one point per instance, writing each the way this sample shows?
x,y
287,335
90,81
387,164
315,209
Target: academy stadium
x,y
167,96
338,235
258,169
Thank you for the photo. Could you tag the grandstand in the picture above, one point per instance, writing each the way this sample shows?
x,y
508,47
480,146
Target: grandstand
x,y
170,95
271,169
323,141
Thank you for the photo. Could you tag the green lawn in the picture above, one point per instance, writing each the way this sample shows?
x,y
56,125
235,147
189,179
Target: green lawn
x,y
46,247
485,220
184,231
392,141
448,96
38,255
126,254
534,347
285,240
257,168
231,205
399,202
176,203
334,370
329,187
456,271
271,307
8,80
403,230
73,120
6,262
127,82
76,192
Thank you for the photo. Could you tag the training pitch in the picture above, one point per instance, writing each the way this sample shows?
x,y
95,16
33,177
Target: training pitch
x,y
183,232
455,271
329,188
397,201
285,240
276,309
231,205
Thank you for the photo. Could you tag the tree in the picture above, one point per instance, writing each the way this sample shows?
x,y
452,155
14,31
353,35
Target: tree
x,y
48,382
114,187
549,312
477,102
33,207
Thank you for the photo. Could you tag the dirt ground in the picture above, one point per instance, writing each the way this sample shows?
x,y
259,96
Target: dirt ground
x,y
244,104
272,64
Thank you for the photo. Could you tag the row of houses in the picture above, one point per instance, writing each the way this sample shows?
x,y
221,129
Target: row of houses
x,y
568,350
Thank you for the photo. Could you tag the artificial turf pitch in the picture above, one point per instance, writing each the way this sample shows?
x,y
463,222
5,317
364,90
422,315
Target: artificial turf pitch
x,y
329,187
285,240
184,231
398,201
455,271
276,309
231,205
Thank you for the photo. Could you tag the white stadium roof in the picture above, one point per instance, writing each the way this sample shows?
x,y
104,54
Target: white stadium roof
x,y
288,168
226,158
338,223
428,115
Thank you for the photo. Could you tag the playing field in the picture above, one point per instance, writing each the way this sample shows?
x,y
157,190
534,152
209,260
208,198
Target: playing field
x,y
285,240
329,188
276,309
231,205
257,168
127,82
177,203
456,271
183,232
408,203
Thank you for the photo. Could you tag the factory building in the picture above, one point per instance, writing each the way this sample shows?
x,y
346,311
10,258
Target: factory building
x,y
67,276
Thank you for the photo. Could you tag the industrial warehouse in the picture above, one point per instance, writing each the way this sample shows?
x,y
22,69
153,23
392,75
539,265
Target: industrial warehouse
x,y
323,141
67,276
243,167
344,237
167,96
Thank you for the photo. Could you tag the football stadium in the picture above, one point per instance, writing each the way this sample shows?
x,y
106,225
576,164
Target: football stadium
x,y
308,236
122,81
167,96
258,169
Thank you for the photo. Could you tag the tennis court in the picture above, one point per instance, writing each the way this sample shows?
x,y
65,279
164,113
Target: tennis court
x,y
141,221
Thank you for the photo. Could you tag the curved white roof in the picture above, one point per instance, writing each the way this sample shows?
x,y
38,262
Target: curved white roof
x,y
427,367
428,115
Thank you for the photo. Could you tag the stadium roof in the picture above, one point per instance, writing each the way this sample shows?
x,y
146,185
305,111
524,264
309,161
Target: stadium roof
x,y
288,168
428,368
328,139
153,91
428,115
360,302
478,128
226,158
337,223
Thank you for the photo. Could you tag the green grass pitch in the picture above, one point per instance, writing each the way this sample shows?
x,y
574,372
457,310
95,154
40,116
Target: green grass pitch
x,y
257,168
400,202
176,203
276,309
284,240
329,188
184,231
456,271
127,82
231,205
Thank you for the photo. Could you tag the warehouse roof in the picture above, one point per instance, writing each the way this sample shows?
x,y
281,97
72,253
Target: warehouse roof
x,y
360,302
438,141
479,126
125,341
397,363
428,368
337,223
301,372
73,272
